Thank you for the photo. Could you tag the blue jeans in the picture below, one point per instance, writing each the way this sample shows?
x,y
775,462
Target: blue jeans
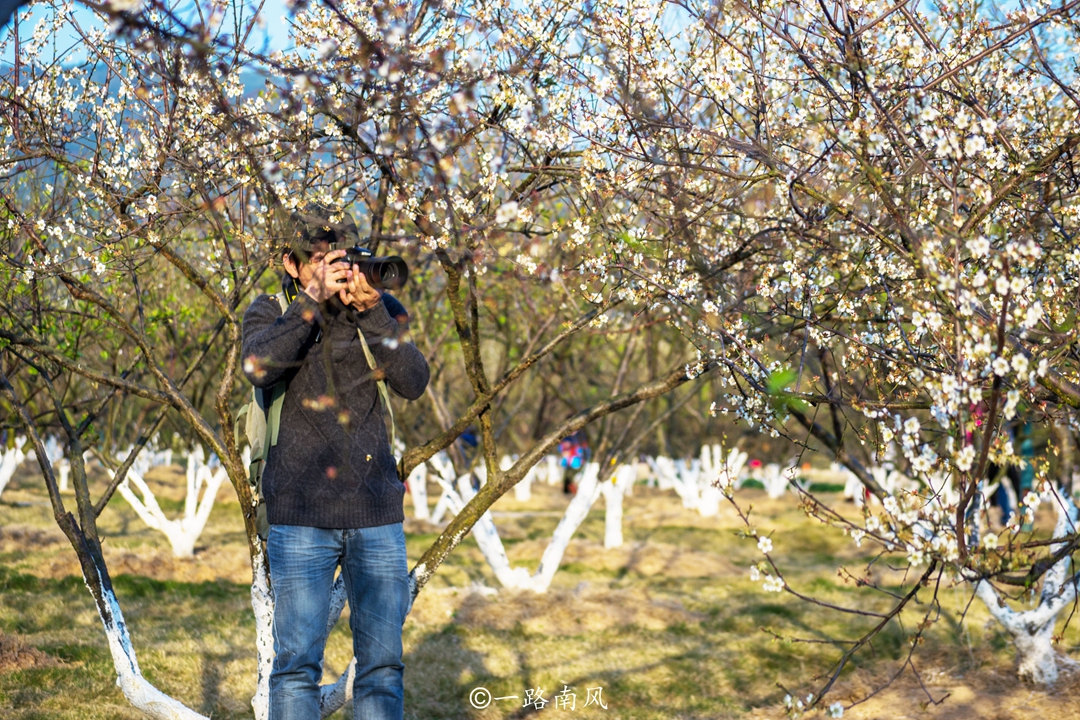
x,y
375,571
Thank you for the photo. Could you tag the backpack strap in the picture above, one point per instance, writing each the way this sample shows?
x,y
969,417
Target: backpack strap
x,y
272,405
273,417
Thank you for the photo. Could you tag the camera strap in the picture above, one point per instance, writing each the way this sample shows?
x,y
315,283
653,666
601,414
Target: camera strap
x,y
277,398
384,394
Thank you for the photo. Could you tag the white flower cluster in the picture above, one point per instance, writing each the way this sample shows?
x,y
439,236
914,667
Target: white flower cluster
x,y
771,582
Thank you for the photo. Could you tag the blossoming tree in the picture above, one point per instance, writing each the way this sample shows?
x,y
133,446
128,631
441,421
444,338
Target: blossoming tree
x,y
147,191
862,214
896,184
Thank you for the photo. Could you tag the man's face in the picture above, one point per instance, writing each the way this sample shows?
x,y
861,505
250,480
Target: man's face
x,y
304,270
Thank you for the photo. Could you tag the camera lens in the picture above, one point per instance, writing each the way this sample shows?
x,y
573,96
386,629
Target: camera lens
x,y
390,272
387,273
381,272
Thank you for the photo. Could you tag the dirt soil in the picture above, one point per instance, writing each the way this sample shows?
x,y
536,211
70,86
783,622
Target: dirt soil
x,y
15,654
991,693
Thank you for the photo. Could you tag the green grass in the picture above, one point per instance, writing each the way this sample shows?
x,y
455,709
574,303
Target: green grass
x,y
669,625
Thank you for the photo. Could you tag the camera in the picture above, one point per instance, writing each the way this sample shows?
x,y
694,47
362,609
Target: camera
x,y
382,273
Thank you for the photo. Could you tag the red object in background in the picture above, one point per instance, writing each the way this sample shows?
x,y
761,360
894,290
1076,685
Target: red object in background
x,y
755,463
574,453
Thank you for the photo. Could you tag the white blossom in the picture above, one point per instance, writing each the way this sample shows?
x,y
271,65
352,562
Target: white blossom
x,y
772,584
507,212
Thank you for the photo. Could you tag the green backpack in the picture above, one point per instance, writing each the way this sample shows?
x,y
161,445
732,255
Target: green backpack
x,y
262,421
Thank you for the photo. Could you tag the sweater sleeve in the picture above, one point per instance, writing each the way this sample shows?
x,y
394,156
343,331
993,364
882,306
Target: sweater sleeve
x,y
406,368
273,340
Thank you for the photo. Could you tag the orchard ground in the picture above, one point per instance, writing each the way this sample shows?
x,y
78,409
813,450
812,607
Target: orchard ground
x,y
669,625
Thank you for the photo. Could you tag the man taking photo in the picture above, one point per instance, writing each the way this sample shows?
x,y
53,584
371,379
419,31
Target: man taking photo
x,y
332,491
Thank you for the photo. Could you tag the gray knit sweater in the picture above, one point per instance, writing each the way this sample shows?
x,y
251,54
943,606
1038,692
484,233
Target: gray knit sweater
x,y
332,466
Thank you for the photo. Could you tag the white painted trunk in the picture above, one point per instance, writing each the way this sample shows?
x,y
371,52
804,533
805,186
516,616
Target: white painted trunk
x,y
554,474
734,467
1032,630
141,464
613,515
54,451
65,475
129,678
640,473
10,460
487,537
710,495
161,457
686,483
718,474
664,471
885,476
774,480
854,490
334,695
710,501
449,501
183,533
614,492
1038,661
418,489
441,464
156,705
442,506
587,493
941,486
262,605
523,489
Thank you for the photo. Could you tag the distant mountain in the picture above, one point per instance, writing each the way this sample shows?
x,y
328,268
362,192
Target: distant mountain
x,y
252,80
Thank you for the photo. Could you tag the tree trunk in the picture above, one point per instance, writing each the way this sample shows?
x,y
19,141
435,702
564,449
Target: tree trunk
x,y
614,492
1032,630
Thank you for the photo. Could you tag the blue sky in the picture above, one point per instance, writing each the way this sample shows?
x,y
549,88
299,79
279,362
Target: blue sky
x,y
274,12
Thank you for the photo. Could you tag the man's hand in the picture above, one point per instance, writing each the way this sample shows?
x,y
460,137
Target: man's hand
x,y
327,277
357,293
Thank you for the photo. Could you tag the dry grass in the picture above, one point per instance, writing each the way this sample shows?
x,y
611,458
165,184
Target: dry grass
x,y
669,625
